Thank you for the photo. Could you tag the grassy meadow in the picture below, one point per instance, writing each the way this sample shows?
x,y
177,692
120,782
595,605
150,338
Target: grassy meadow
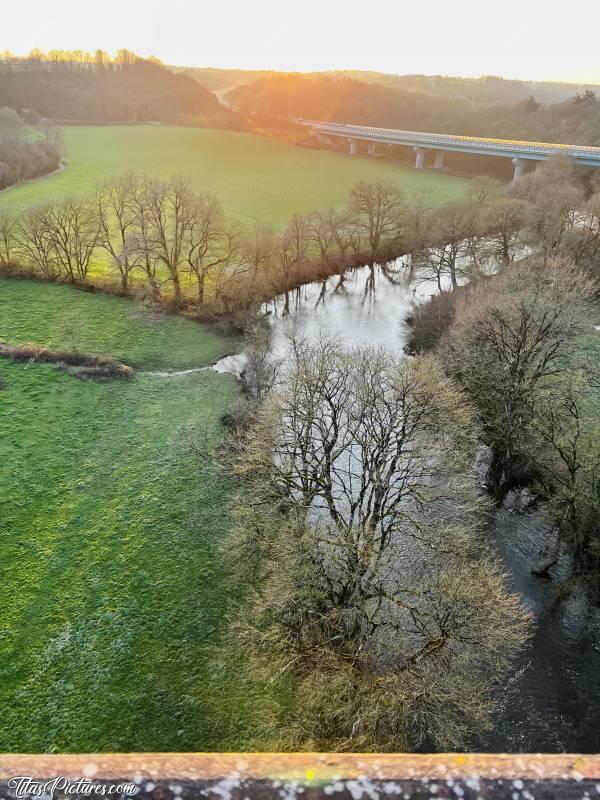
x,y
113,593
256,179
60,317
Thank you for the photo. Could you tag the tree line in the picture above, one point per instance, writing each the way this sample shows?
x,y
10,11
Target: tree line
x,y
161,239
71,60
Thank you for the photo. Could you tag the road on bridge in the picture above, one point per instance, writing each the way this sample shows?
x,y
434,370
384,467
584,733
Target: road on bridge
x,y
518,151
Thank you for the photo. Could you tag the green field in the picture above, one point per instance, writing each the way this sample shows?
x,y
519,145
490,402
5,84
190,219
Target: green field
x,y
255,178
59,317
113,595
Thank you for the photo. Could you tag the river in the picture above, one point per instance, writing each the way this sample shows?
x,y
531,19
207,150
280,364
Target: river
x,y
552,702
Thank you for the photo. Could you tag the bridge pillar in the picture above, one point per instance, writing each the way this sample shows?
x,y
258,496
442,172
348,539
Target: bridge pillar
x,y
519,166
371,149
353,146
420,162
439,159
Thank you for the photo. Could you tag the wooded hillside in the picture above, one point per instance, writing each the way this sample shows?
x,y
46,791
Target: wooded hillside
x,y
72,86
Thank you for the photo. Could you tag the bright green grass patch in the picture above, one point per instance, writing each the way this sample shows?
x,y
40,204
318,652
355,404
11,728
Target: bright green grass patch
x,y
255,178
60,317
113,594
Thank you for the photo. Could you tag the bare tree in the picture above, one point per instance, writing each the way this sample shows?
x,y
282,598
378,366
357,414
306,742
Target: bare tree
x,y
353,441
169,211
292,248
234,274
376,585
567,451
260,248
504,221
34,241
416,224
554,201
320,232
118,219
73,231
444,256
8,237
211,244
483,190
346,232
582,241
140,242
378,208
450,242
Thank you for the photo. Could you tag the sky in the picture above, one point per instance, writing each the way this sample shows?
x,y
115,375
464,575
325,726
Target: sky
x,y
513,38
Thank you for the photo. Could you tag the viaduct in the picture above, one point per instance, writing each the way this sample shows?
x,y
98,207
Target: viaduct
x,y
441,143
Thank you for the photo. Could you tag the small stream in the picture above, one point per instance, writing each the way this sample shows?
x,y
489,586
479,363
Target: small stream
x,y
552,702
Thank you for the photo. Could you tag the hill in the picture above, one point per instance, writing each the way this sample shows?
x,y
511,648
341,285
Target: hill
x,y
487,89
77,87
346,99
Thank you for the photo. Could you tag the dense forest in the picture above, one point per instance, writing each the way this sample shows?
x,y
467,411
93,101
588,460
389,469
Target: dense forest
x,y
73,86
345,99
26,151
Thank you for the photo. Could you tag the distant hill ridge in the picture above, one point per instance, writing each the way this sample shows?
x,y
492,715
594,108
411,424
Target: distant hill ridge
x,y
485,89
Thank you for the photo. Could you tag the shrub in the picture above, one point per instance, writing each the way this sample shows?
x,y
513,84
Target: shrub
x,y
429,321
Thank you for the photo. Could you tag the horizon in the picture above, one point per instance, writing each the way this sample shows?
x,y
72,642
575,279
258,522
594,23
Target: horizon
x,y
333,70
282,37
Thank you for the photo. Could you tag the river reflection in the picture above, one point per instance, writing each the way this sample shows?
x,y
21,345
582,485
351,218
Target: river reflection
x,y
367,306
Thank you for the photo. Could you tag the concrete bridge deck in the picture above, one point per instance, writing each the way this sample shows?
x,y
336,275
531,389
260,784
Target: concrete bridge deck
x,y
518,151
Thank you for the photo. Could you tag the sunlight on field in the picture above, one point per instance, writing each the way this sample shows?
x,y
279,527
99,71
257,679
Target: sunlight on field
x,y
254,177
